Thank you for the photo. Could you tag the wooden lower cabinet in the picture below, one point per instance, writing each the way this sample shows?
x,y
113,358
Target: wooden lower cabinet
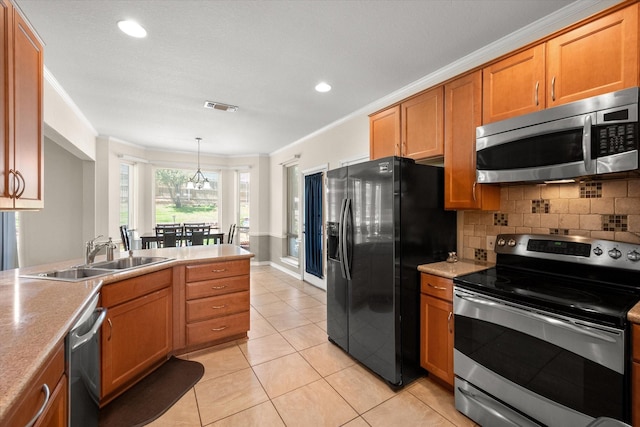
x,y
137,333
217,302
436,327
635,375
55,410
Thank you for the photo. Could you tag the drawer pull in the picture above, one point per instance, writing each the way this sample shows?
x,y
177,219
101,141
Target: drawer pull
x,y
47,395
219,329
110,329
219,287
218,307
219,271
440,288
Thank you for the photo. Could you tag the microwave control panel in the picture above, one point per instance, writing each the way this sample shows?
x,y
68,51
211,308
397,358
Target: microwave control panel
x,y
618,138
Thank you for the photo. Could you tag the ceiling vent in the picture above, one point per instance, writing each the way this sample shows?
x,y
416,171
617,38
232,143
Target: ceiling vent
x,y
220,106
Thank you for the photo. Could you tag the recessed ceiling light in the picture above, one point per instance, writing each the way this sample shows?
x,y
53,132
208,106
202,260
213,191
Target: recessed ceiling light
x,y
323,87
132,28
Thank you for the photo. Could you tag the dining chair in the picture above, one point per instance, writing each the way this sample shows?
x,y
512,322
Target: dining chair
x,y
169,235
124,235
232,231
196,234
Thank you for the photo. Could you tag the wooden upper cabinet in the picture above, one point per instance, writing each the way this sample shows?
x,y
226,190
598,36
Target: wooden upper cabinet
x,y
595,58
514,86
21,70
423,125
463,113
384,133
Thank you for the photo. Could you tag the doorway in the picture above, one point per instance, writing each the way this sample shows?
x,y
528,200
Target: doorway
x,y
314,265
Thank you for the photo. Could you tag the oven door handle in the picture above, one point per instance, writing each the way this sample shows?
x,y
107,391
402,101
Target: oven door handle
x,y
578,328
486,404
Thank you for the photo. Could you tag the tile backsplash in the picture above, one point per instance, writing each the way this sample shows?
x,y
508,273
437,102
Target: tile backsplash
x,y
607,209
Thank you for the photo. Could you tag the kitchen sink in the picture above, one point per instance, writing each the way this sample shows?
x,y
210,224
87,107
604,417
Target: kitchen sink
x,y
84,272
129,262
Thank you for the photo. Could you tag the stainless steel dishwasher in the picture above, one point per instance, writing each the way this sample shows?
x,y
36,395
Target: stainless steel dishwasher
x,y
83,356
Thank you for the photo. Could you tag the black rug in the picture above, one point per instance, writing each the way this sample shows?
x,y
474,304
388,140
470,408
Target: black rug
x,y
153,395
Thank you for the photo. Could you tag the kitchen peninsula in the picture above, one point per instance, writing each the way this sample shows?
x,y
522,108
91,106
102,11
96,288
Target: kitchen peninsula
x,y
36,314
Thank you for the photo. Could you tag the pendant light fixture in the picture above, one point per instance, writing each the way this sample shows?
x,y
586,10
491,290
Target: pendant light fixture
x,y
198,181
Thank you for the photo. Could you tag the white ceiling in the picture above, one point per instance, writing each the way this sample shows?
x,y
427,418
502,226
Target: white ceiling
x,y
264,56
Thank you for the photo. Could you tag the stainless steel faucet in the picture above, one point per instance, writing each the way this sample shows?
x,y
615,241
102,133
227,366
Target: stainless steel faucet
x,y
92,249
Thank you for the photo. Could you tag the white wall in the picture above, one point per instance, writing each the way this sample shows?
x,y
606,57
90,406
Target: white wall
x,y
55,232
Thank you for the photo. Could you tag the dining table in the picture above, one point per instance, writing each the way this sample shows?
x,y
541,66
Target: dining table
x,y
215,236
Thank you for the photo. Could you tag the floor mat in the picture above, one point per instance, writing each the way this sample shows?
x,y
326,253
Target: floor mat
x,y
153,395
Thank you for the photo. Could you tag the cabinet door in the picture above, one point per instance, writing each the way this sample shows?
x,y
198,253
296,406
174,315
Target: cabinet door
x,y
6,147
463,108
27,100
135,336
422,125
596,58
384,133
436,349
514,86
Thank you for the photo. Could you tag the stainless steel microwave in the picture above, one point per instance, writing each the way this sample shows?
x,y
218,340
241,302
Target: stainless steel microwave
x,y
594,136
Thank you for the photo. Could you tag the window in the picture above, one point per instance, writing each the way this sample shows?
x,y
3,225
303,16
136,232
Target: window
x,y
126,179
293,210
243,208
175,203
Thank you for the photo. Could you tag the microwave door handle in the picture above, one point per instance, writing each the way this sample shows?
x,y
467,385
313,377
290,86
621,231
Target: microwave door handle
x,y
586,142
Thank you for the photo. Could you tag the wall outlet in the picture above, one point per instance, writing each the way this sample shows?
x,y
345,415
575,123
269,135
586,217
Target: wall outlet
x,y
491,243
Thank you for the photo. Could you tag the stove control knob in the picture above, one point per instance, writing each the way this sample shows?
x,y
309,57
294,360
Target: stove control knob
x,y
501,242
615,253
511,242
633,255
597,251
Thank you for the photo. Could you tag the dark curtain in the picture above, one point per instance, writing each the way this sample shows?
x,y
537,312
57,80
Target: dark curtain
x,y
313,224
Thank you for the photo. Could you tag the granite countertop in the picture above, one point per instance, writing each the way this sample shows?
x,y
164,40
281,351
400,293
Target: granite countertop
x,y
634,314
454,269
36,314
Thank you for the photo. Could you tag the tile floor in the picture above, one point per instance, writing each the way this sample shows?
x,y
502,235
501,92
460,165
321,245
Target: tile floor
x,y
287,374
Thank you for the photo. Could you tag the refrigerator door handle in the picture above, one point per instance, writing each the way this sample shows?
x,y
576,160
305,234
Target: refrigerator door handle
x,y
341,237
346,222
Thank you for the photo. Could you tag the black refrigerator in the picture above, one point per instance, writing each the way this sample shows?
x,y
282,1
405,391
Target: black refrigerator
x,y
385,217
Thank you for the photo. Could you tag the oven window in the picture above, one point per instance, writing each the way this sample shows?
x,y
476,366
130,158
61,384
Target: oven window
x,y
543,368
542,150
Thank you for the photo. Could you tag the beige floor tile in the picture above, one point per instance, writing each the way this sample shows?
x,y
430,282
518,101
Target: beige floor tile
x,y
321,298
263,415
290,320
284,374
404,410
254,315
358,422
315,314
322,325
264,299
266,348
305,336
315,404
305,301
440,399
289,293
256,289
220,397
220,361
260,328
278,285
274,308
362,389
184,413
327,358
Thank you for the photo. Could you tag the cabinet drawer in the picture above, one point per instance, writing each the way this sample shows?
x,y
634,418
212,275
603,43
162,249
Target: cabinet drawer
x,y
436,286
211,288
217,270
116,293
208,308
218,328
51,374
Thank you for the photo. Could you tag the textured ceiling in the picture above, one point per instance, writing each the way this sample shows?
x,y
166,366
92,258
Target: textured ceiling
x,y
264,56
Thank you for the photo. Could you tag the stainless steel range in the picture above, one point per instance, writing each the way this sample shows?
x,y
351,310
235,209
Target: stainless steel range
x,y
542,338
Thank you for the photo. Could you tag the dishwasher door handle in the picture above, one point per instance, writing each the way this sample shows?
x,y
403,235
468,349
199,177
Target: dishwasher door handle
x,y
78,340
